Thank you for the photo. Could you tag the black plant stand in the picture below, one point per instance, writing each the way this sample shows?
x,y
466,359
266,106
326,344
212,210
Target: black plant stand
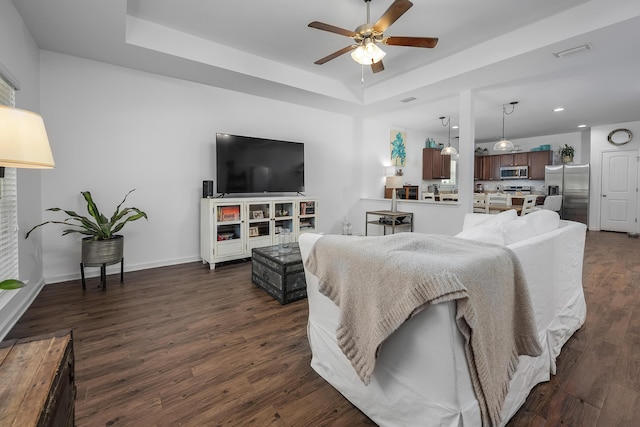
x,y
103,273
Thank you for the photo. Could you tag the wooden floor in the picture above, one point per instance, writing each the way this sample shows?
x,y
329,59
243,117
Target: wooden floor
x,y
188,346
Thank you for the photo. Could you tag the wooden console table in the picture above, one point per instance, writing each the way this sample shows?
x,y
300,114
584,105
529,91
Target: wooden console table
x,y
38,387
392,218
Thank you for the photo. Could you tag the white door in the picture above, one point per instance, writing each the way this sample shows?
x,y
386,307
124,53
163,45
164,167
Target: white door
x,y
618,207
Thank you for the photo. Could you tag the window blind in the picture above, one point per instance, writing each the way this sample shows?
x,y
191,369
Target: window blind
x,y
8,204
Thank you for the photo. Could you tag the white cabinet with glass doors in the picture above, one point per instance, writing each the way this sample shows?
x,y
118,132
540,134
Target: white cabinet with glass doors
x,y
231,228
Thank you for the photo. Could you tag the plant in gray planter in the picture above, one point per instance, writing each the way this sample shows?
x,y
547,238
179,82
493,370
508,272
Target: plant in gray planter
x,y
102,246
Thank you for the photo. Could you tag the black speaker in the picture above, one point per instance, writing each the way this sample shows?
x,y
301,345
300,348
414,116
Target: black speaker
x,y
207,189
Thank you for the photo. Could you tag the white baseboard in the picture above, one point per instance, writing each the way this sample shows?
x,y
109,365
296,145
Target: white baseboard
x,y
114,269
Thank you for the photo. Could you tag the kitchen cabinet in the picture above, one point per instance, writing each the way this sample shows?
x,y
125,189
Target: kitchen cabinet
x,y
491,168
477,168
435,165
487,168
514,159
537,161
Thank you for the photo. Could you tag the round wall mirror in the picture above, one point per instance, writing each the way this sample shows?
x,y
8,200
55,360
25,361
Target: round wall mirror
x,y
620,136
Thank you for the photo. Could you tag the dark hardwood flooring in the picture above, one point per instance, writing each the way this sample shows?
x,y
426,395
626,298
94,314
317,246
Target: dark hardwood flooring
x,y
184,345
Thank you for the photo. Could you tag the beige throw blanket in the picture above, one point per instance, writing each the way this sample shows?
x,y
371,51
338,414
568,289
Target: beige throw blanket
x,y
379,282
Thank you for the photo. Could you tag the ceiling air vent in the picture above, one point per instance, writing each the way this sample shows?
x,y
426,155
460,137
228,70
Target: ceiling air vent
x,y
572,50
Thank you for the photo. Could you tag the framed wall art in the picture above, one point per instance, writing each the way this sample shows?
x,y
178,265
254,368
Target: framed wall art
x,y
398,145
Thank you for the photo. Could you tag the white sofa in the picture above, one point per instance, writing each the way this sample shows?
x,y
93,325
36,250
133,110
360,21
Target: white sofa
x,y
421,377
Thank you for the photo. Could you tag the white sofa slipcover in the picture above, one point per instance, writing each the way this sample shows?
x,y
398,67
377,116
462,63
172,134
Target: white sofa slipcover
x,y
421,376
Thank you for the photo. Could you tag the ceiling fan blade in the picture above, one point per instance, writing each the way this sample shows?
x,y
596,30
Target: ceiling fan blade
x,y
395,11
335,54
376,67
411,41
332,29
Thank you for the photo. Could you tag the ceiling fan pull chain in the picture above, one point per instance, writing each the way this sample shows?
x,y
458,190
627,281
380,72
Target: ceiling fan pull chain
x,y
362,74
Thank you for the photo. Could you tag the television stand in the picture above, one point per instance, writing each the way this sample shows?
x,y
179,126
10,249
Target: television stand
x,y
230,228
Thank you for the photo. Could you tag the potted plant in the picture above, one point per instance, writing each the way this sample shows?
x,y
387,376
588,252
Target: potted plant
x,y
566,153
102,246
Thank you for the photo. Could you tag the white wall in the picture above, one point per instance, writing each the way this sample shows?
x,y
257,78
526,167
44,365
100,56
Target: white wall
x,y
428,218
600,145
20,56
113,129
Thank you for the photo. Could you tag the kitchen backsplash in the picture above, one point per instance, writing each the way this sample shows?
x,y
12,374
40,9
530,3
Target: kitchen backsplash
x,y
537,187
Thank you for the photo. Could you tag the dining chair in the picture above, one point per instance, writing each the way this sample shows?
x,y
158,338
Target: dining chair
x,y
553,203
495,199
499,199
529,204
480,204
449,197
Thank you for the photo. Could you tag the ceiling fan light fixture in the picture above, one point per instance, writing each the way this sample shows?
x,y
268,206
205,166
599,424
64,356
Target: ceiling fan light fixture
x,y
368,53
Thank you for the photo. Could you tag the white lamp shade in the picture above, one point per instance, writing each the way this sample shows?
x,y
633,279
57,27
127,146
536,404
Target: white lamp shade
x,y
503,145
393,182
23,140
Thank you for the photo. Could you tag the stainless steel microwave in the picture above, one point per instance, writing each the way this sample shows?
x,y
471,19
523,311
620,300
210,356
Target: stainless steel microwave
x,y
514,172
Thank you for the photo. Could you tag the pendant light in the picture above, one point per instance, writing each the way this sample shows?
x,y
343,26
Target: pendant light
x,y
504,144
448,150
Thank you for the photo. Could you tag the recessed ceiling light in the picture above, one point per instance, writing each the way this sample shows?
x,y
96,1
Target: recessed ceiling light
x,y
454,127
558,109
582,126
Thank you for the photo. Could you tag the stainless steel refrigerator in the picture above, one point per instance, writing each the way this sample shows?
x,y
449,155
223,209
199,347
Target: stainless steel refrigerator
x,y
572,182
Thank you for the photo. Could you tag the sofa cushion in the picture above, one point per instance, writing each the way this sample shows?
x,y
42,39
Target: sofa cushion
x,y
543,221
489,230
500,218
515,231
487,233
507,227
530,225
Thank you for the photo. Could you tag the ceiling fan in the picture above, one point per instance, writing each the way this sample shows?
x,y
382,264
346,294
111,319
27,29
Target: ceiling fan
x,y
366,36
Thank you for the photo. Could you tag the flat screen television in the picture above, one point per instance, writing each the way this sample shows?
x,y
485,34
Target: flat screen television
x,y
256,165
